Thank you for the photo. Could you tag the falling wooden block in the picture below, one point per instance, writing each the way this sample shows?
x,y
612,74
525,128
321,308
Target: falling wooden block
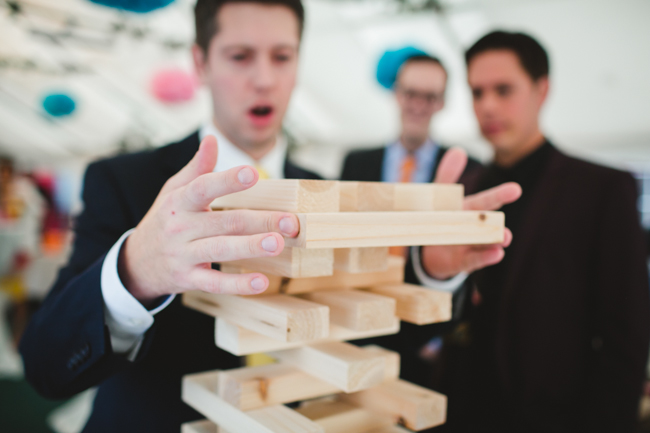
x,y
413,406
378,229
361,260
428,197
280,317
343,365
293,263
287,195
356,310
198,391
417,304
204,426
241,341
267,385
366,196
341,417
338,280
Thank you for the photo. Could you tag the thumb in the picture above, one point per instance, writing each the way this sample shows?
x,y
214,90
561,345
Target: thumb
x,y
452,165
203,162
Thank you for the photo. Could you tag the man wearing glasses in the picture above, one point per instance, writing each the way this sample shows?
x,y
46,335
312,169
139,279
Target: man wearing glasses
x,y
419,82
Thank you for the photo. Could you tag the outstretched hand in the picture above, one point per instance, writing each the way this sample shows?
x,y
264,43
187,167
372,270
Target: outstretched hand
x,y
172,248
443,262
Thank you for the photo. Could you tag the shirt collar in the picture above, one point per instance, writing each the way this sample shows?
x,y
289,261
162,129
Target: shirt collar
x,y
232,156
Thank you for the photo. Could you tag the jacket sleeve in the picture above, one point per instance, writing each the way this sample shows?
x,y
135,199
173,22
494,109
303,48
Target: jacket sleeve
x,y
66,347
621,318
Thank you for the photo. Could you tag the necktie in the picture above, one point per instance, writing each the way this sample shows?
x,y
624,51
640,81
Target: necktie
x,y
263,173
408,167
406,175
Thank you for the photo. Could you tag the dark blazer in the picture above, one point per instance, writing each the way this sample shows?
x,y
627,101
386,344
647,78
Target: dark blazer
x,y
564,346
66,347
366,165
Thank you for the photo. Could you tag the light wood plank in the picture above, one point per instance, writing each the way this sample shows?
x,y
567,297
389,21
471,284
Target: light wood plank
x,y
366,196
280,317
337,281
415,407
240,341
205,426
428,197
340,417
293,263
353,309
288,195
377,229
198,391
361,260
254,387
392,360
417,304
343,365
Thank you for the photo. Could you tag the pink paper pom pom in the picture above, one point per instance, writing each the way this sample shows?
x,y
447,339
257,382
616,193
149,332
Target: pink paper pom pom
x,y
173,86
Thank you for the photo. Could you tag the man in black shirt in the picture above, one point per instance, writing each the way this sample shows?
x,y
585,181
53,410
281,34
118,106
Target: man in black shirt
x,y
559,331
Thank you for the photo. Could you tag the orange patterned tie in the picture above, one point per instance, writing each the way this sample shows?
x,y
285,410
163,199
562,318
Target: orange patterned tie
x,y
406,175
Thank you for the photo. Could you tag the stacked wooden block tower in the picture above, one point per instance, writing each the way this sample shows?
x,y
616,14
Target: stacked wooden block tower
x,y
335,282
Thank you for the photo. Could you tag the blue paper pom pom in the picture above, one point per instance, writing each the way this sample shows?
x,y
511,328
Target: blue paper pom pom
x,y
58,104
139,6
391,61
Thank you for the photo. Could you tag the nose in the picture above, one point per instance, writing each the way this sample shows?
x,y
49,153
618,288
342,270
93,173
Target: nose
x,y
487,104
264,74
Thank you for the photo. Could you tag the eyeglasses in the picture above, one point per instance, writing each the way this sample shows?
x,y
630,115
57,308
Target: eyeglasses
x,y
429,98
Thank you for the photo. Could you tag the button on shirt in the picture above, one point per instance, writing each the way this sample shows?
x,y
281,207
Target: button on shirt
x,y
126,318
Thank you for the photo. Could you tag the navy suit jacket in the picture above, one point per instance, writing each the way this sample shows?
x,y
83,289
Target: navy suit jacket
x,y
66,347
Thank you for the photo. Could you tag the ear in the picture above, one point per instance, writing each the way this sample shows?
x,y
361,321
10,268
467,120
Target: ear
x,y
542,85
200,62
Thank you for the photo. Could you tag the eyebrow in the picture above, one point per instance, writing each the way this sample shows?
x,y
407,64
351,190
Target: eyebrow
x,y
251,47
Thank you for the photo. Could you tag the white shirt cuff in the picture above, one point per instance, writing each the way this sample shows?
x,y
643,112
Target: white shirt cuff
x,y
450,285
126,318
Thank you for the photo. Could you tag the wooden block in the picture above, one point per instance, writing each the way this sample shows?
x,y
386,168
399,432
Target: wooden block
x,y
293,263
361,260
387,229
413,406
392,360
287,195
240,341
340,417
198,392
254,387
205,426
343,365
417,304
428,197
356,310
366,196
337,281
281,317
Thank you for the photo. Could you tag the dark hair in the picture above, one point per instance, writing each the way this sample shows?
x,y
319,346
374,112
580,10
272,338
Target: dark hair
x,y
531,54
206,13
425,58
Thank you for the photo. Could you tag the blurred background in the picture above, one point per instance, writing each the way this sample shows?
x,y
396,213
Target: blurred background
x,y
79,81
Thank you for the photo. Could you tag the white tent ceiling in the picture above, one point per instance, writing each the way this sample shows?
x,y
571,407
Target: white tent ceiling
x,y
599,106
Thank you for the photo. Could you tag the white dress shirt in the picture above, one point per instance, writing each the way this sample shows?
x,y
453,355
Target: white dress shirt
x,y
126,318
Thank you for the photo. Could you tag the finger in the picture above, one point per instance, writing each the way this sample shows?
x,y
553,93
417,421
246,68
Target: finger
x,y
493,198
228,248
479,259
243,223
507,238
200,192
213,281
451,166
203,162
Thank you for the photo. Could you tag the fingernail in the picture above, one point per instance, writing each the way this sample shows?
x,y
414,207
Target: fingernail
x,y
245,176
258,284
287,226
270,244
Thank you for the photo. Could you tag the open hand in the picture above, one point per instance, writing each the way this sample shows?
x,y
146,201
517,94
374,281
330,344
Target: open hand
x,y
443,262
172,248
